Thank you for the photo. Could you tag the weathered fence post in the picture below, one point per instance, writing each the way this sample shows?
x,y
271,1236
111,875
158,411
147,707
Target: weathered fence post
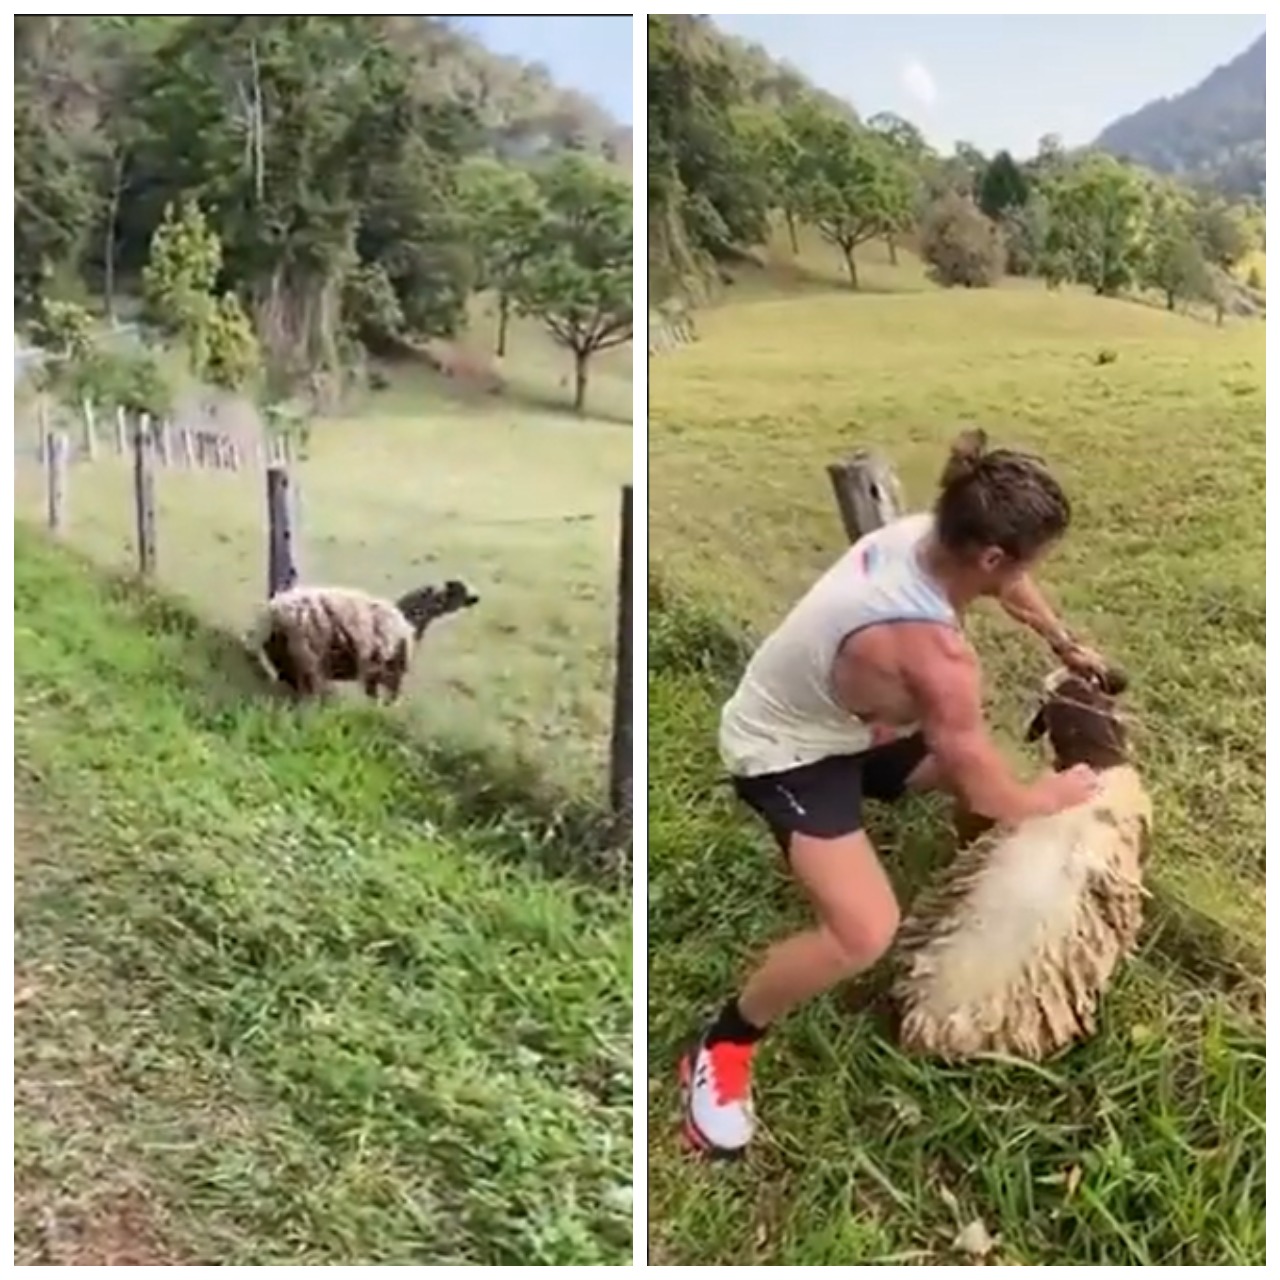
x,y
161,429
42,429
868,492
291,462
55,460
122,432
188,449
90,430
620,765
282,573
144,497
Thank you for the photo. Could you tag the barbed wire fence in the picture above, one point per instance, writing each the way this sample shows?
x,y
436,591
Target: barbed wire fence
x,y
93,478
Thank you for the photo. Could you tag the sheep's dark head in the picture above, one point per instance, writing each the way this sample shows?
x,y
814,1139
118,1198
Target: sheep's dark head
x,y
1080,717
426,604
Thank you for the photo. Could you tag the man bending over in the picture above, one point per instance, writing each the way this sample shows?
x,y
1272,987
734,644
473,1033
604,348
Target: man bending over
x,y
870,688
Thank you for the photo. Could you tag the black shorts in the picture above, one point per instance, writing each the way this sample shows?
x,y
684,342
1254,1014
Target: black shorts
x,y
824,799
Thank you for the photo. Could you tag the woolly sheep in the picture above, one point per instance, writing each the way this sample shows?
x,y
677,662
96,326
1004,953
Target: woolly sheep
x,y
1012,950
307,637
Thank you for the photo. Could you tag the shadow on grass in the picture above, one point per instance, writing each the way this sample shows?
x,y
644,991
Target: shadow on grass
x,y
508,807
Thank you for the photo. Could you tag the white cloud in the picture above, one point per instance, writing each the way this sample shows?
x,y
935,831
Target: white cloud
x,y
918,81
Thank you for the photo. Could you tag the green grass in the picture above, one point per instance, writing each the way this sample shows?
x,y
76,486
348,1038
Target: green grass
x,y
291,987
1145,1146
518,499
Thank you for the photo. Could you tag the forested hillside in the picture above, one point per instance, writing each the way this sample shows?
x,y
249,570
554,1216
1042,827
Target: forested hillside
x,y
1215,132
735,140
350,180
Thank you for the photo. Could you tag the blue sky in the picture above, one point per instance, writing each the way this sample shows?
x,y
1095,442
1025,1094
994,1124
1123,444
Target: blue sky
x,y
1002,81
591,55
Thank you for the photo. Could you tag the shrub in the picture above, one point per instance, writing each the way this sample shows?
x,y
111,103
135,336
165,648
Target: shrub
x,y
961,244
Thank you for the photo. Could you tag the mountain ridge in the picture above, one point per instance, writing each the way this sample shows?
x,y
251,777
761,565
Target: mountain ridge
x,y
1212,134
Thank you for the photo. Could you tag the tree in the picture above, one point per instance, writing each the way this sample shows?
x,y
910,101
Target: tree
x,y
578,281
311,154
1174,263
853,188
179,284
1025,229
1003,187
776,156
503,213
961,244
1222,232
53,198
704,188
1098,223
914,153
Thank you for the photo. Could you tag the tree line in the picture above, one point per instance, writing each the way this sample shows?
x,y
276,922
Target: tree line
x,y
290,193
723,159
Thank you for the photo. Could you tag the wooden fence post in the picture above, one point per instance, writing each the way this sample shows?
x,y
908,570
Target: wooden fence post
x,y
90,430
161,429
144,498
122,432
291,462
42,428
620,764
868,492
282,573
55,460
188,449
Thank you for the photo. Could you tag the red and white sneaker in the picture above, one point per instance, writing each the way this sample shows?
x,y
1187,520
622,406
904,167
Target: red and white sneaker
x,y
715,1080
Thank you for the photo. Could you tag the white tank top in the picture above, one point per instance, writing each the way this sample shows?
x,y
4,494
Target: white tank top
x,y
784,712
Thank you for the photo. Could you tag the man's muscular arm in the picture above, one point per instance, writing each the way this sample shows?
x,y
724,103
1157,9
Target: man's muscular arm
x,y
943,674
1024,602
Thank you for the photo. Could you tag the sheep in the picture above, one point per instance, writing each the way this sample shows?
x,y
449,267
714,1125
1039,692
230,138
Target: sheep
x,y
1012,950
307,637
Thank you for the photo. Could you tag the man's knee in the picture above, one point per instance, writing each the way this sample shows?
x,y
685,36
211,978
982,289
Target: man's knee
x,y
864,936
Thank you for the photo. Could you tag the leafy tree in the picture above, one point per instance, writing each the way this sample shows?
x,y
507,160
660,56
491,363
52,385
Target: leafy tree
x,y
53,198
776,156
1174,264
1003,187
1025,229
1222,231
917,157
578,283
1097,223
502,210
179,285
853,188
704,186
961,244
304,141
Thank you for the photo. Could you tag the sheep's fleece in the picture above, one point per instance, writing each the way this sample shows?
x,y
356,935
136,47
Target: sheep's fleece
x,y
1012,950
333,620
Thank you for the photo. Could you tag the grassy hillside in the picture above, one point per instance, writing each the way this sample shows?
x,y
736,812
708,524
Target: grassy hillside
x,y
289,989
1146,1146
417,485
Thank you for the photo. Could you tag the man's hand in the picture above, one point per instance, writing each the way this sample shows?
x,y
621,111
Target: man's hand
x,y
1057,791
1081,659
1023,601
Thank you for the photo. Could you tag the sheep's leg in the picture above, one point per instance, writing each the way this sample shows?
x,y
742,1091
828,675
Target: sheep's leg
x,y
393,676
969,825
309,678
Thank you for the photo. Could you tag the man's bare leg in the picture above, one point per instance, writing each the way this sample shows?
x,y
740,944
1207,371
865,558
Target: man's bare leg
x,y
857,919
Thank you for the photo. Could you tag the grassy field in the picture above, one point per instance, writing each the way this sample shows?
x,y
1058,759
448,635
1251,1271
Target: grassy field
x,y
291,988
1146,1146
518,498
